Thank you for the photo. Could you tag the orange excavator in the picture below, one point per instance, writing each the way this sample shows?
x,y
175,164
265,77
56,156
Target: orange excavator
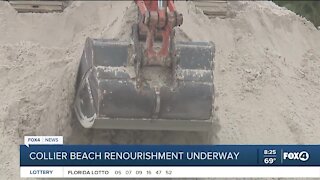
x,y
151,82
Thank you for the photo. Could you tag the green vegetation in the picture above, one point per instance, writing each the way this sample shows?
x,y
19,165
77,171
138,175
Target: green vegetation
x,y
308,9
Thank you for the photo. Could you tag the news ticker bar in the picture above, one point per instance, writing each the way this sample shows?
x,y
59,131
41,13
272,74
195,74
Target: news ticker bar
x,y
168,172
170,155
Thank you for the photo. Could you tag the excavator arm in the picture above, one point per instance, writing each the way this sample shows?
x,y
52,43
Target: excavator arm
x,y
158,16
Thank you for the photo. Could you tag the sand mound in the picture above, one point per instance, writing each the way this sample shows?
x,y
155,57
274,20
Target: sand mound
x,y
267,74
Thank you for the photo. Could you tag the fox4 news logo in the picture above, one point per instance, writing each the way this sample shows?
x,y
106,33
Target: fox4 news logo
x,y
301,156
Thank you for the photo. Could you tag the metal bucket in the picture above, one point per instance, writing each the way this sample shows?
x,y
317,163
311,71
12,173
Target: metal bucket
x,y
114,93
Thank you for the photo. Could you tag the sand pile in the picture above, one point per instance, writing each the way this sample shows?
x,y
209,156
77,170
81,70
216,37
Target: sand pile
x,y
267,74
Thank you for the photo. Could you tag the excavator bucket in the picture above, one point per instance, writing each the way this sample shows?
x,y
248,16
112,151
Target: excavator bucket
x,y
115,92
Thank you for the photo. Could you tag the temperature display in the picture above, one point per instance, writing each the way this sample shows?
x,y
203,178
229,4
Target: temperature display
x,y
269,156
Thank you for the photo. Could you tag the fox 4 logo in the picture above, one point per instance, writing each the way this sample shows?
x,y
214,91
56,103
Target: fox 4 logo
x,y
302,156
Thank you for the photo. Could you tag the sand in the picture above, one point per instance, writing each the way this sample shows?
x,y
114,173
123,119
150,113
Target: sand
x,y
267,75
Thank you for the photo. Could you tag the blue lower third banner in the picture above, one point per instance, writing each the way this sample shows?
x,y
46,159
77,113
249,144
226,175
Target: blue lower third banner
x,y
170,155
